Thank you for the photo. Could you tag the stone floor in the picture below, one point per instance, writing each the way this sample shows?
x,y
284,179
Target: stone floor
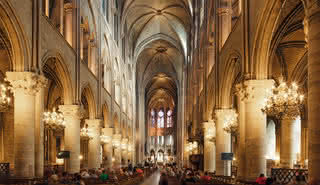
x,y
153,179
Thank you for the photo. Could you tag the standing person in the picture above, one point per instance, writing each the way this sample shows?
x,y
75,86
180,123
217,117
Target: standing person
x,y
163,179
261,179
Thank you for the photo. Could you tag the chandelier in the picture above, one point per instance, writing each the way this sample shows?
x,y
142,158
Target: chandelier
x,y
85,133
54,120
4,95
231,123
283,101
116,140
105,139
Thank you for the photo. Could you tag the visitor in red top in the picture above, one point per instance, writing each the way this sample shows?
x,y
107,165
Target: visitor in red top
x,y
205,177
261,179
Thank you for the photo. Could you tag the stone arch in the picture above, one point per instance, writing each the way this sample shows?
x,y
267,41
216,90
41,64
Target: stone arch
x,y
116,123
19,50
230,72
105,114
89,97
63,74
124,128
267,21
107,66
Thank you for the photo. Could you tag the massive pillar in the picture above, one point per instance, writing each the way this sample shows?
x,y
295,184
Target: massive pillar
x,y
209,146
107,148
312,27
289,141
116,140
72,136
25,86
39,130
241,158
94,143
255,129
223,142
124,151
68,21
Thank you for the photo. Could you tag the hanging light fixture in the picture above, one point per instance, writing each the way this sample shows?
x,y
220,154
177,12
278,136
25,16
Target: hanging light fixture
x,y
105,139
85,133
283,100
5,95
54,120
116,140
231,123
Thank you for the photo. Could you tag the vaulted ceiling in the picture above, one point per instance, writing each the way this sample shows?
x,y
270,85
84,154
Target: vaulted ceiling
x,y
289,46
158,33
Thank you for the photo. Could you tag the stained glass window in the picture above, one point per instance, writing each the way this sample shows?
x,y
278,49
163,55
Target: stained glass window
x,y
169,119
161,119
153,119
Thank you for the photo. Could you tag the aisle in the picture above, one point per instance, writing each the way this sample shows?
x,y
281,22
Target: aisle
x,y
153,179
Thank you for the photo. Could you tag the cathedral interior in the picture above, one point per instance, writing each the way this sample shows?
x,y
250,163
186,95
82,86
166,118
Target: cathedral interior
x,y
228,87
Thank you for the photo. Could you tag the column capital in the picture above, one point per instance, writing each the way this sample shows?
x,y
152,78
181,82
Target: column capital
x,y
222,113
107,131
71,111
224,11
68,7
208,124
93,123
255,90
29,82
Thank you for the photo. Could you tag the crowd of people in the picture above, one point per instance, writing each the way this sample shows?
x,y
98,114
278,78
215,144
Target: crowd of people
x,y
57,176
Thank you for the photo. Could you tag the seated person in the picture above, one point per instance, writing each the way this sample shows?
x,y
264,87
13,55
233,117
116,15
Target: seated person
x,y
261,179
104,176
205,177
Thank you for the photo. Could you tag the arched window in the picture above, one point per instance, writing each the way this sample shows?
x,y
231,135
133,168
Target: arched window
x,y
161,119
153,119
169,119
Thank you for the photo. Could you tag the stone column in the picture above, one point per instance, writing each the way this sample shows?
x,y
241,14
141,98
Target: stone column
x,y
288,141
124,151
94,143
61,16
52,147
312,29
223,141
47,7
241,158
225,18
72,117
68,20
39,129
8,137
81,40
117,150
255,129
92,61
25,86
107,148
304,140
209,147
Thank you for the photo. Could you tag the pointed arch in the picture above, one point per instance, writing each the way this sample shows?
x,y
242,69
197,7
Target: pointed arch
x,y
62,73
19,50
89,96
105,114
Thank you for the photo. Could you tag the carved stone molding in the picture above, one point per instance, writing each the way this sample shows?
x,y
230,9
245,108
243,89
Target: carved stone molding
x,y
93,123
29,82
71,111
224,11
253,90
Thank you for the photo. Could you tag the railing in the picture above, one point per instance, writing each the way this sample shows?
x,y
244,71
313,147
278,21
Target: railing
x,y
285,176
